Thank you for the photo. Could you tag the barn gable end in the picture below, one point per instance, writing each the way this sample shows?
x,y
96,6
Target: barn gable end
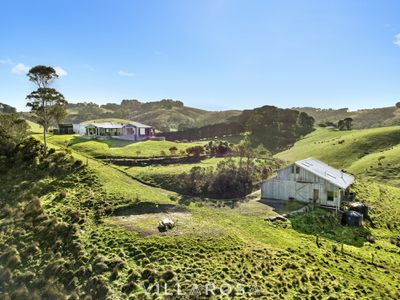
x,y
309,180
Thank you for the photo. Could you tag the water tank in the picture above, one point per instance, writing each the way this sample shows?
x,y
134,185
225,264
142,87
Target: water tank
x,y
359,207
352,218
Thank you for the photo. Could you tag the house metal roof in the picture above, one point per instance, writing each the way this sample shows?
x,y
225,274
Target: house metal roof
x,y
107,125
326,172
137,124
118,125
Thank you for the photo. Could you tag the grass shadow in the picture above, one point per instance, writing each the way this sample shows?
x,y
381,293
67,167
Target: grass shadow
x,y
282,206
140,208
111,143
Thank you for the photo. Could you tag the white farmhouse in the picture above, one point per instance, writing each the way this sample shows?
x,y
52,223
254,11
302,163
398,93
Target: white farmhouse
x,y
125,131
308,180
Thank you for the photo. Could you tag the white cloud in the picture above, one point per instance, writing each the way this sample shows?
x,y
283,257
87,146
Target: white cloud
x,y
124,73
20,69
397,39
6,62
60,71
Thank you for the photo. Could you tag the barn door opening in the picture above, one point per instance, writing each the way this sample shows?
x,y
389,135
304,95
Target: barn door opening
x,y
316,195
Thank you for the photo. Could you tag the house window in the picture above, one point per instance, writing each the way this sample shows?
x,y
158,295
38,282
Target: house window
x,y
331,195
295,169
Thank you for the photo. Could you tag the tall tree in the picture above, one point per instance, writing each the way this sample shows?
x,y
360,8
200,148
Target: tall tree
x,y
341,124
46,103
348,123
398,104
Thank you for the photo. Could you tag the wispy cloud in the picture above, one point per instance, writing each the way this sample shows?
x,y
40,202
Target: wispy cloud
x,y
125,73
397,39
60,71
6,62
20,69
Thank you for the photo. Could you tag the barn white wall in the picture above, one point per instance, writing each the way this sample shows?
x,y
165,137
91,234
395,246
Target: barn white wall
x,y
287,185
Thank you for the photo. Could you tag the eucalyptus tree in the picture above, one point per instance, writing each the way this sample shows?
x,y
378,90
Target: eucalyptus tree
x,y
46,103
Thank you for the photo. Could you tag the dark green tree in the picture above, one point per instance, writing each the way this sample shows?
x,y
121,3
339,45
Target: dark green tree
x,y
305,122
341,124
173,150
348,123
398,104
195,151
46,103
13,130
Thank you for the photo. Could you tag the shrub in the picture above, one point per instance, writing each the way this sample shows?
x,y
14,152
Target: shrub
x,y
195,151
11,258
5,275
168,275
173,150
127,288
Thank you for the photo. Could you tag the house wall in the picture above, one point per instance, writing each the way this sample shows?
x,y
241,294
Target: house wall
x,y
144,133
287,185
79,129
138,134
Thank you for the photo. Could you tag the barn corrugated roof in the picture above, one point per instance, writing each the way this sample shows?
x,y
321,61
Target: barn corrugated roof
x,y
327,172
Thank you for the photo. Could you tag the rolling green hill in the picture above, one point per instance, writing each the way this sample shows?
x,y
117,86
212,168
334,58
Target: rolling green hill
x,y
369,153
165,115
173,115
74,226
112,147
363,118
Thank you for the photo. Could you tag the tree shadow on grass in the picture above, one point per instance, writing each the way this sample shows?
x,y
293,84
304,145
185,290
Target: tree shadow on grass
x,y
140,208
111,143
326,224
204,201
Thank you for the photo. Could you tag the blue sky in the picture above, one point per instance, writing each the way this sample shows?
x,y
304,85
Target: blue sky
x,y
210,54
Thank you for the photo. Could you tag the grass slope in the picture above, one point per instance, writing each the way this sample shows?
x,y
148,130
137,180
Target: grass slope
x,y
219,245
34,127
114,147
324,144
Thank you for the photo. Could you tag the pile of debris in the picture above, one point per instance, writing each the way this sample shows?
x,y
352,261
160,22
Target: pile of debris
x,y
165,225
354,213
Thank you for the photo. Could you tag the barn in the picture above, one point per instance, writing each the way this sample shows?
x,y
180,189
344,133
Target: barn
x,y
309,180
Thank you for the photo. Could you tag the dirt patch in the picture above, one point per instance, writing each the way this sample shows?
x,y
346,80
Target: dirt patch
x,y
174,216
144,219
147,223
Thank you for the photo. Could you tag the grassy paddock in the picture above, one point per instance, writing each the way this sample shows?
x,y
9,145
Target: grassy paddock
x,y
113,147
232,245
342,148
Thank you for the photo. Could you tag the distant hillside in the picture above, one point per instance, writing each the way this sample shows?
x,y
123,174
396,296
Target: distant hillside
x,y
7,109
165,115
363,118
172,115
270,126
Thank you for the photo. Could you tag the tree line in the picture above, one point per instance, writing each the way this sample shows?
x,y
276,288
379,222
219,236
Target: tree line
x,y
273,127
